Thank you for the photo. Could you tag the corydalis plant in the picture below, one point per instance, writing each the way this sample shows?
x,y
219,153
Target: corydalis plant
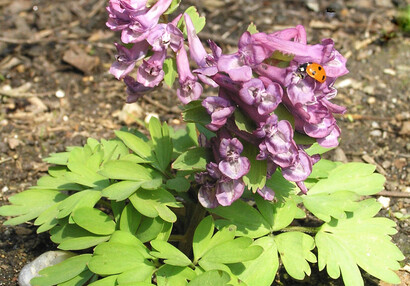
x,y
134,205
250,82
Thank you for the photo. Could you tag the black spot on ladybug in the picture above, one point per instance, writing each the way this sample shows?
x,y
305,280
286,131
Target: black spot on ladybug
x,y
323,77
319,68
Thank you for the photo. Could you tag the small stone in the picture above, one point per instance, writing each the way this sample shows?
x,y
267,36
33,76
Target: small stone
x,y
371,100
385,201
386,164
13,143
65,118
369,90
60,93
376,133
389,72
408,146
4,189
375,125
23,230
400,163
405,128
46,259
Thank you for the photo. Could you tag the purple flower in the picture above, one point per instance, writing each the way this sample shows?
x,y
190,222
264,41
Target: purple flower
x,y
232,165
278,136
135,89
266,193
134,19
150,73
300,169
163,36
219,109
190,89
253,92
239,65
126,58
228,191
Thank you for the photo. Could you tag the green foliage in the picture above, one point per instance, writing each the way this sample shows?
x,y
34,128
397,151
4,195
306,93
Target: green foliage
x,y
359,239
119,202
197,21
170,70
64,271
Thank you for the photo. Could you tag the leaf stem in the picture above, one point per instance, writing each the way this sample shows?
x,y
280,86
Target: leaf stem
x,y
305,229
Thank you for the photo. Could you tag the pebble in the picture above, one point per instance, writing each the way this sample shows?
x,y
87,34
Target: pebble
x,y
371,100
46,259
385,201
386,164
375,125
376,133
60,93
4,189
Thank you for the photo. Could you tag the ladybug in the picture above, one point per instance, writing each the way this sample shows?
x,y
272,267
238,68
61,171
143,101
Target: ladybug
x,y
314,70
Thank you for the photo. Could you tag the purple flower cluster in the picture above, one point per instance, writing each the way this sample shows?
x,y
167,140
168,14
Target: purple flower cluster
x,y
249,81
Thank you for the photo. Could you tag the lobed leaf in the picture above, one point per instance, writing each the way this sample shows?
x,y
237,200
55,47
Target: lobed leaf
x,y
114,258
359,239
327,205
130,219
295,252
261,270
93,220
174,275
136,144
30,204
122,190
249,221
194,112
170,254
256,177
355,177
62,271
170,71
125,170
162,142
202,237
211,278
193,159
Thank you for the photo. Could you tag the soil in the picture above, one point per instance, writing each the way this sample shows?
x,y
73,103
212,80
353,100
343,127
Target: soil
x,y
55,91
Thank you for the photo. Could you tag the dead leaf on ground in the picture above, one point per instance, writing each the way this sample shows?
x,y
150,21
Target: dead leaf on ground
x,y
79,59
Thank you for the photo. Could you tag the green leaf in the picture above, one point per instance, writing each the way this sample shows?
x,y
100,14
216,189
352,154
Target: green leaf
x,y
87,198
136,144
121,190
252,28
57,158
183,139
151,228
47,219
169,253
114,149
153,203
211,278
127,238
125,170
142,273
62,271
107,281
243,122
282,187
279,215
197,21
243,251
193,159
73,237
179,184
196,113
93,220
80,279
174,5
249,221
256,177
84,165
130,219
359,239
322,168
59,183
317,149
30,204
113,258
324,206
262,270
161,141
355,177
202,237
170,71
295,250
174,275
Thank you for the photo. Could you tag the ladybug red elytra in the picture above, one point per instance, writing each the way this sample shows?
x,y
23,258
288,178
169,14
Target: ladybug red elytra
x,y
314,70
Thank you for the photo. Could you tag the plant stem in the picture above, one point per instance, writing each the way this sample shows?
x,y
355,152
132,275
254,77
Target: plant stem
x,y
305,229
197,215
